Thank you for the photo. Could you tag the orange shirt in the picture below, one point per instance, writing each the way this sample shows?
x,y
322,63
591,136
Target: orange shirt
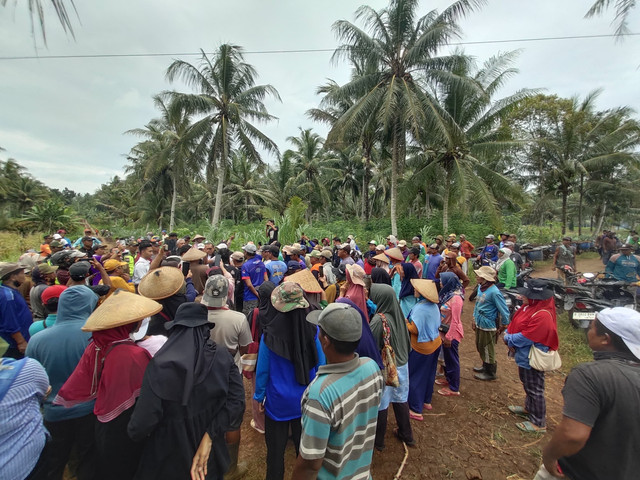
x,y
425,348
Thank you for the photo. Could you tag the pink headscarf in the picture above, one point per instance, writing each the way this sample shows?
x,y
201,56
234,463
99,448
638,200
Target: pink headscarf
x,y
356,294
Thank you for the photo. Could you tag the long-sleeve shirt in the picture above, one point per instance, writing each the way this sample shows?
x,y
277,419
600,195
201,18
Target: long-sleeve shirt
x,y
451,313
490,305
522,345
623,268
507,273
276,383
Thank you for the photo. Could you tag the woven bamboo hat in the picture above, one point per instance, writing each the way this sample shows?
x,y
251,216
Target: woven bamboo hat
x,y
426,288
121,308
394,253
193,255
161,283
382,257
306,280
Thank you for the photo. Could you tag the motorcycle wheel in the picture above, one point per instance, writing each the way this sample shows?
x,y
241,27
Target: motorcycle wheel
x,y
573,322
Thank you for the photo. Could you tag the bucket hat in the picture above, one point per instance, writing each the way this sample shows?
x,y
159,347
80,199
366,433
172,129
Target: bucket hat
x,y
487,273
288,296
356,273
216,291
536,289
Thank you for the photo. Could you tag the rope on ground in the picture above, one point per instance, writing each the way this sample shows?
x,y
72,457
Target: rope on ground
x,y
404,462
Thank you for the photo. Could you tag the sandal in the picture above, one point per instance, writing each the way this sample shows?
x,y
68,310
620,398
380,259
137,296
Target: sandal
x,y
518,410
396,433
530,427
447,392
444,383
428,406
415,416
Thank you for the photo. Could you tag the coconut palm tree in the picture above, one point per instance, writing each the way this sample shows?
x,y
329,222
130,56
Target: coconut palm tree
x,y
400,52
170,146
245,186
230,101
623,9
472,134
36,9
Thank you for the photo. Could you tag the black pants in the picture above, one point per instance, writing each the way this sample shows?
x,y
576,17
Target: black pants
x,y
276,436
75,435
118,454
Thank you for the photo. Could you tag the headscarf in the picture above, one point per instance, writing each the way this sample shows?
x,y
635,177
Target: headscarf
x,y
537,322
450,285
357,295
110,370
384,296
507,255
265,309
183,362
289,335
380,275
169,308
367,347
406,289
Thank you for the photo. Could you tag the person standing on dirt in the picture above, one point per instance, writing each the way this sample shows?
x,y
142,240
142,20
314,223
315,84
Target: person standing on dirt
x,y
565,256
490,319
600,397
608,247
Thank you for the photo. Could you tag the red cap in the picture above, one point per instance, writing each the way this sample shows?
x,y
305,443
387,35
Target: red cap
x,y
52,292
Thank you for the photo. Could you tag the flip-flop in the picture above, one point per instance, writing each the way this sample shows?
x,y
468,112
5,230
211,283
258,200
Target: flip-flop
x,y
416,416
428,406
444,383
447,392
530,427
518,410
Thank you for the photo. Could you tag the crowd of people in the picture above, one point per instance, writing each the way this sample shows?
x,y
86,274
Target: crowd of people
x,y
140,352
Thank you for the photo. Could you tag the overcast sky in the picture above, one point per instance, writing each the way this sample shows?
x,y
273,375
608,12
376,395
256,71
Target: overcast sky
x,y
64,119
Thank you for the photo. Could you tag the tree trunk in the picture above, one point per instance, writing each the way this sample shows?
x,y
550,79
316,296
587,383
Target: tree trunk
x,y
565,194
174,197
396,156
221,171
601,219
365,184
580,205
445,202
427,204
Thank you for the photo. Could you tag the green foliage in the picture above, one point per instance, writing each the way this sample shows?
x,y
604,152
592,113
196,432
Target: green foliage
x,y
48,216
12,244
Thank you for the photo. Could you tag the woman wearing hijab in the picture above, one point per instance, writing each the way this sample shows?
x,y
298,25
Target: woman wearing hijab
x,y
368,347
532,326
423,322
451,301
42,277
191,389
387,307
111,371
288,358
506,269
265,313
407,293
354,289
380,275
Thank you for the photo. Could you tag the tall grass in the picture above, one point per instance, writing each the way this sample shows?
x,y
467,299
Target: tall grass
x,y
573,347
13,244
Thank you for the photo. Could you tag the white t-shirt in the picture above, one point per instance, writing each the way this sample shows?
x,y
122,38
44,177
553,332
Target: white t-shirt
x,y
140,270
231,331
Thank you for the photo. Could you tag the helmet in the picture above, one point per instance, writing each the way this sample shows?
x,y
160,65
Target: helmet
x,y
61,259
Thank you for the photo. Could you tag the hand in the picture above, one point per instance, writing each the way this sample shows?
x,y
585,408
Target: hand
x,y
501,329
343,289
201,459
126,277
261,407
190,274
447,342
552,467
22,346
473,326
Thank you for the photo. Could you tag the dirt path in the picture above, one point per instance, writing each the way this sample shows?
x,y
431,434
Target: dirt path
x,y
462,438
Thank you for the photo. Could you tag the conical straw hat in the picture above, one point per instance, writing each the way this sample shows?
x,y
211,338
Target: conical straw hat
x,y
426,288
194,255
306,280
121,308
394,253
382,257
161,283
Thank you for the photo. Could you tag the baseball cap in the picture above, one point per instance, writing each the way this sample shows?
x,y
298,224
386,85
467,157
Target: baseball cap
x,y
373,242
293,265
238,256
57,236
55,244
346,247
326,254
380,248
77,254
221,246
340,321
8,267
79,270
624,322
52,292
288,296
455,245
434,246
402,243
46,269
315,254
215,291
490,236
111,264
250,248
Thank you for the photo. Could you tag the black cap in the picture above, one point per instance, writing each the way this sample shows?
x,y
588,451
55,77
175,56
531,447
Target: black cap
x,y
79,270
190,314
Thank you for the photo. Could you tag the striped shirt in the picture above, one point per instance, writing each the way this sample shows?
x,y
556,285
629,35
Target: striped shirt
x,y
22,434
339,416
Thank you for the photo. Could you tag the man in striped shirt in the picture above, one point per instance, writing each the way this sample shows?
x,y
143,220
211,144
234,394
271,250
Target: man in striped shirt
x,y
340,406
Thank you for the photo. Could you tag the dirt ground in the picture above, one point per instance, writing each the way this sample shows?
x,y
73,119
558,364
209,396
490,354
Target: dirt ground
x,y
472,436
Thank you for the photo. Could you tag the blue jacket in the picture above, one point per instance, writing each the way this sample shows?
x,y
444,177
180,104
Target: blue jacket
x,y
60,347
490,252
623,268
522,345
15,315
276,383
490,304
430,266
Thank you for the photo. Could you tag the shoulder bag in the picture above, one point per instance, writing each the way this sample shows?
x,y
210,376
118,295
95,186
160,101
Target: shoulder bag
x,y
388,356
544,361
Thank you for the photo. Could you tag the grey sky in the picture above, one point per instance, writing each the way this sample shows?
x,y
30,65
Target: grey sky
x,y
64,119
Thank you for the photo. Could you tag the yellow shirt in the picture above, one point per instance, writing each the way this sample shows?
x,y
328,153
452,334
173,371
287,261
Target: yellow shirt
x,y
119,282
